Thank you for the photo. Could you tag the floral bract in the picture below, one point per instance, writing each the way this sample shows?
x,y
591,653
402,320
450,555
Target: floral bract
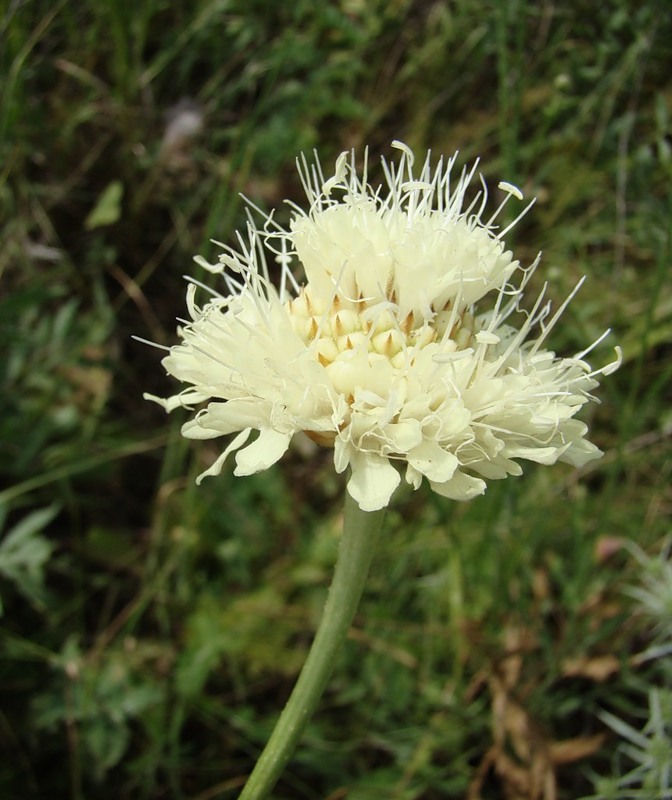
x,y
379,340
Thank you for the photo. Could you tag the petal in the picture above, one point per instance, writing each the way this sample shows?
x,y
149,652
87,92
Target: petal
x,y
197,428
460,487
219,419
342,454
413,477
580,453
216,468
404,436
373,480
433,461
182,400
497,469
264,451
541,455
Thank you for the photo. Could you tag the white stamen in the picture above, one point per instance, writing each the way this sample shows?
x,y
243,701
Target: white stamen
x,y
150,343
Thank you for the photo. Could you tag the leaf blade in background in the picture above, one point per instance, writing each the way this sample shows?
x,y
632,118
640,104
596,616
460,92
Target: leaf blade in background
x,y
107,210
24,554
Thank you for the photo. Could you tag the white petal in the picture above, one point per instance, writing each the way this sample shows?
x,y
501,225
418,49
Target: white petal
x,y
404,436
182,400
497,469
236,414
216,468
460,487
268,448
413,477
580,453
373,480
541,455
342,454
433,461
195,429
219,419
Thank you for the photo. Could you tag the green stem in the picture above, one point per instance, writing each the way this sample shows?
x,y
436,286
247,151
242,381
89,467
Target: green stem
x,y
360,533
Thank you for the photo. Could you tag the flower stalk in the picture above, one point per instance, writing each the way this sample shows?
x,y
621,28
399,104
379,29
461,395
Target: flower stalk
x,y
355,554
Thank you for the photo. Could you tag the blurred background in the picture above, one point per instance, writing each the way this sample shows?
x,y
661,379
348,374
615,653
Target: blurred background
x,y
515,647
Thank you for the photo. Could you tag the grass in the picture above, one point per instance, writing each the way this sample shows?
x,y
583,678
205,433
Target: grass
x,y
151,629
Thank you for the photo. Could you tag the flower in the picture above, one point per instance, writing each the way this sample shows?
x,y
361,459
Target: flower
x,y
380,352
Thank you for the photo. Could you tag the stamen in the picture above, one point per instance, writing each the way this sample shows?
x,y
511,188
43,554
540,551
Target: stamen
x,y
215,269
202,285
511,189
151,344
503,233
547,328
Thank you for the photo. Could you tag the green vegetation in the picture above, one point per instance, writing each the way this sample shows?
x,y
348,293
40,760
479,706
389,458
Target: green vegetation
x,y
151,629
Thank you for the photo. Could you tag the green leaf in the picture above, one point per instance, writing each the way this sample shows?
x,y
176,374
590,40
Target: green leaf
x,y
107,210
24,554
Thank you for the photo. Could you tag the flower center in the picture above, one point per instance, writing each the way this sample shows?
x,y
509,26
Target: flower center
x,y
352,337
369,347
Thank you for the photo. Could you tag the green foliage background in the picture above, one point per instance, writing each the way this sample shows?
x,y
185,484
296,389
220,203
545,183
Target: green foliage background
x,y
151,630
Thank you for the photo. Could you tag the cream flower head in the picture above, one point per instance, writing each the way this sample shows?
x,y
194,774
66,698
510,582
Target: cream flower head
x,y
378,348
